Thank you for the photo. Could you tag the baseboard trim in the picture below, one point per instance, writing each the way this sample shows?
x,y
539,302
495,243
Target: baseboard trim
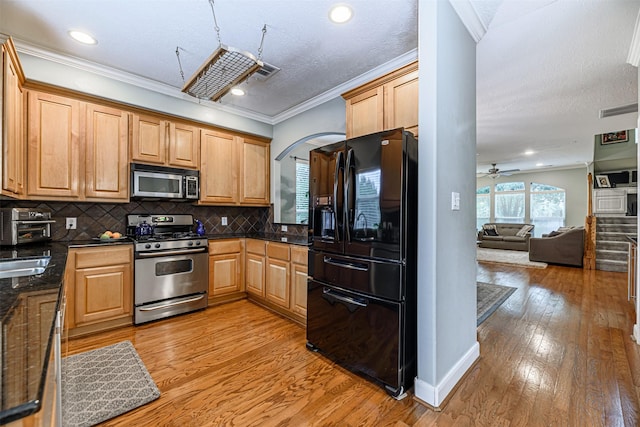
x,y
434,396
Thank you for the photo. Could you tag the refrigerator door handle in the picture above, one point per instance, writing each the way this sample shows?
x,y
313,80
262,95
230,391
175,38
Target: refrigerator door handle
x,y
336,176
346,264
347,187
329,294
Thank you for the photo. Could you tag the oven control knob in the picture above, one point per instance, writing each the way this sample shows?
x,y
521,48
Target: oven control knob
x,y
157,245
190,243
147,246
197,242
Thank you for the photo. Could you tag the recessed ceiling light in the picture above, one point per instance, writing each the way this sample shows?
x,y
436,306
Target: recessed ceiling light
x,y
82,37
529,152
539,164
237,91
340,13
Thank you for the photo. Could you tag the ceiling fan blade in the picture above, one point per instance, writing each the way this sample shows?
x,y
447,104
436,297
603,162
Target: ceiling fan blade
x,y
509,171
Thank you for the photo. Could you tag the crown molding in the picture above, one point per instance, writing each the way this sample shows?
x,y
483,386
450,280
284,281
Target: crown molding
x,y
165,89
470,18
373,74
634,50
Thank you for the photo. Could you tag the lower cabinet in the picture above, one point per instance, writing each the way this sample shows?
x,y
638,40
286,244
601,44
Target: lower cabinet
x,y
277,277
226,270
99,284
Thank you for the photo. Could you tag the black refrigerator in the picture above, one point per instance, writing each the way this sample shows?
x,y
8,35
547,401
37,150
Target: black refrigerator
x,y
361,295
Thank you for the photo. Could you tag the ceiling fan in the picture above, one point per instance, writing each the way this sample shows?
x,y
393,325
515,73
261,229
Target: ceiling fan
x,y
494,172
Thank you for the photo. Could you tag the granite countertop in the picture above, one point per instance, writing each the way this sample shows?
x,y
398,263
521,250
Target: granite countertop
x,y
28,305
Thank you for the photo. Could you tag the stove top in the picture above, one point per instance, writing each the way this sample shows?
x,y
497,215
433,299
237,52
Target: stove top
x,y
158,232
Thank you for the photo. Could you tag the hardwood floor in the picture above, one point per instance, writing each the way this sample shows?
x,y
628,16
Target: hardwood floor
x,y
557,352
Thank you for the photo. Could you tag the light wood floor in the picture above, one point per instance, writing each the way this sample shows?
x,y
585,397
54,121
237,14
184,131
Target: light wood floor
x,y
557,352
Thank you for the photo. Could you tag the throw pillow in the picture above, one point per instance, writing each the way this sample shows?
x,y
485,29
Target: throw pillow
x,y
524,230
490,232
554,233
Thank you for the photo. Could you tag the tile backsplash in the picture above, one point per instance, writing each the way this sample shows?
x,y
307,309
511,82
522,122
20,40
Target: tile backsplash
x,y
95,218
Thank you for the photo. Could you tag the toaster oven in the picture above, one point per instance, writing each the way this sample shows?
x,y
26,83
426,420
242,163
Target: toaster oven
x,y
24,225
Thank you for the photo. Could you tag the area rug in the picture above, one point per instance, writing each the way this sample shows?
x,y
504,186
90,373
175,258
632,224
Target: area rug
x,y
501,256
490,297
100,384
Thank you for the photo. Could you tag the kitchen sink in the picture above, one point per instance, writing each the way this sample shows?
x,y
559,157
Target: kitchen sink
x,y
23,266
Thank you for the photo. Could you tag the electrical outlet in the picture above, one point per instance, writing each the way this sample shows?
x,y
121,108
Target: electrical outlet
x,y
224,220
71,223
284,228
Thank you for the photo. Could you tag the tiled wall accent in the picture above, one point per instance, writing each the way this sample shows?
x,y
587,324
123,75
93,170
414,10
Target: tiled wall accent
x,y
95,218
292,229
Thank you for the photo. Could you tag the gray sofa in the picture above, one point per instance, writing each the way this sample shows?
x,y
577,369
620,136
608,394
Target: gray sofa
x,y
506,238
566,248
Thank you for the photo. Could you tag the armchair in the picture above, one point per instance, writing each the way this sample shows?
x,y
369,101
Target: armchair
x,y
566,248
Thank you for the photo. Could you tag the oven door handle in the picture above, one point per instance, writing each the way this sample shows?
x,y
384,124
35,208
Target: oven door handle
x,y
165,253
48,221
171,304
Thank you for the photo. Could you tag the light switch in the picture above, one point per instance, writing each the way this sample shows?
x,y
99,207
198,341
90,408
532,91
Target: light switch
x,y
224,220
284,228
455,201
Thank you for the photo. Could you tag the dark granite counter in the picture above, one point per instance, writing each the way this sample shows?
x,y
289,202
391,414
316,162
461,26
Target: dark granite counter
x,y
28,307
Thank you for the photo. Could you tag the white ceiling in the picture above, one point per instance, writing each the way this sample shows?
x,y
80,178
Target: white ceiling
x,y
544,68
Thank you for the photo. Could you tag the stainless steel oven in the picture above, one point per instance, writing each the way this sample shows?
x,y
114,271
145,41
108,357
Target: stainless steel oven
x,y
24,225
171,268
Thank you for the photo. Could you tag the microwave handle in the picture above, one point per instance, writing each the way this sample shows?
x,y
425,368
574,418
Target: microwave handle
x,y
49,221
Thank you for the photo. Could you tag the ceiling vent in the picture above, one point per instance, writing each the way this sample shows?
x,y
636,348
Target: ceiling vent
x,y
266,71
616,111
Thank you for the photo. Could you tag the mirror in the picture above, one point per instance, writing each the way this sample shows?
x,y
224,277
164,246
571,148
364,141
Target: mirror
x,y
292,188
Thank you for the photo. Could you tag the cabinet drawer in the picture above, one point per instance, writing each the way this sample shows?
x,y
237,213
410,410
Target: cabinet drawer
x,y
102,256
299,255
255,246
278,251
225,246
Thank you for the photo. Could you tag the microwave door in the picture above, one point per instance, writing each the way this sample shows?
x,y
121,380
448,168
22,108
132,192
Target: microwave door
x,y
163,185
326,198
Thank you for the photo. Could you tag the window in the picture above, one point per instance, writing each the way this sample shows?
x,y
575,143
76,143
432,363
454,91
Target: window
x,y
483,206
548,208
302,191
510,203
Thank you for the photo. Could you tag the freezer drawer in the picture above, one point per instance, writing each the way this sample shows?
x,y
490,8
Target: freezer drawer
x,y
362,333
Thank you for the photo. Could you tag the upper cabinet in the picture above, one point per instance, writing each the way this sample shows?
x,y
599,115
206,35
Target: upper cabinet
x,y
53,146
159,141
12,123
234,169
385,103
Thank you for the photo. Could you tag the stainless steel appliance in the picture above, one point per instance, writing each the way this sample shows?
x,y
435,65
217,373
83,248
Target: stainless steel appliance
x,y
159,182
171,267
361,301
24,225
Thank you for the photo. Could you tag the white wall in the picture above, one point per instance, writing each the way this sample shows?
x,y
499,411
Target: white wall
x,y
42,70
447,342
574,182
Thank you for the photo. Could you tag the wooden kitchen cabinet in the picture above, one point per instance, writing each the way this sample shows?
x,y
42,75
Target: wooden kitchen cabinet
x,y
99,283
278,274
106,153
12,123
234,169
226,269
299,275
255,251
53,153
385,103
157,140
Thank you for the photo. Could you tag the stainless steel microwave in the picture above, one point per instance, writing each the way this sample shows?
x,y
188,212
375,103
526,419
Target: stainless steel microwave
x,y
159,182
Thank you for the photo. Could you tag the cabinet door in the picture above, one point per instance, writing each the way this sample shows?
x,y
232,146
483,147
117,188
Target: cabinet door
x,y
401,103
254,185
254,267
184,146
610,201
107,155
12,126
218,168
365,113
149,141
225,274
102,293
299,289
54,167
278,276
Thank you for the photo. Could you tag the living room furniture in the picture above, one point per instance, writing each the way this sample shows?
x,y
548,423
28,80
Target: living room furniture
x,y
506,238
565,248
